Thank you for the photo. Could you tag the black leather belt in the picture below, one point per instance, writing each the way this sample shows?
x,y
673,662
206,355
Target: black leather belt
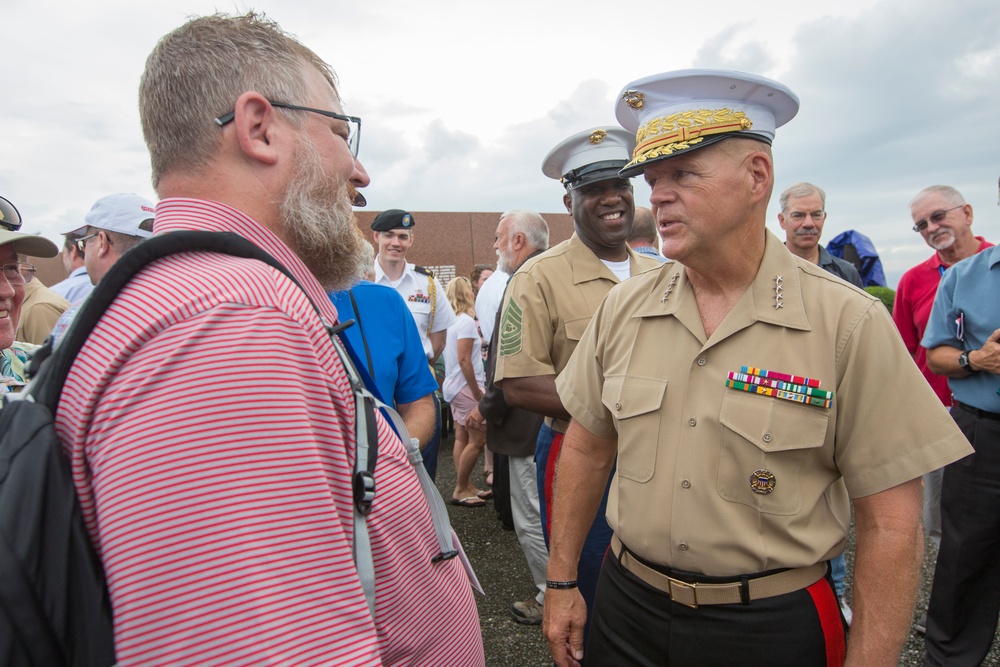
x,y
982,414
695,594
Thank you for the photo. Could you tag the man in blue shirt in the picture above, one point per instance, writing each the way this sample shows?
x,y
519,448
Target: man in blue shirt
x,y
963,343
384,338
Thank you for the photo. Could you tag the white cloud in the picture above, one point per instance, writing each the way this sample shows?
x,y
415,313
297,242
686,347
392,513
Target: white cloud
x,y
461,100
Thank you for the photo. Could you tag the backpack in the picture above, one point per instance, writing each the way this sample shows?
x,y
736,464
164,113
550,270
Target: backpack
x,y
55,609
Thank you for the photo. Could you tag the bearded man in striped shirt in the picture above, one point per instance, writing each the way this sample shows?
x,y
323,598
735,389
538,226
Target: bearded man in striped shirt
x,y
209,419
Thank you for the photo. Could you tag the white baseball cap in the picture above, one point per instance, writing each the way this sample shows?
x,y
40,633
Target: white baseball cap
x,y
124,213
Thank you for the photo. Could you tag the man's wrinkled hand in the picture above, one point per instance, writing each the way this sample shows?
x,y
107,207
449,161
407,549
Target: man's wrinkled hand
x,y
475,420
563,619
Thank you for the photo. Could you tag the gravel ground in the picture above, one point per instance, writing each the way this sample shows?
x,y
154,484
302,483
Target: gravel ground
x,y
500,566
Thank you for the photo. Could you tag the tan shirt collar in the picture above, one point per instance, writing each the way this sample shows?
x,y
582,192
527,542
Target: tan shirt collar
x,y
775,297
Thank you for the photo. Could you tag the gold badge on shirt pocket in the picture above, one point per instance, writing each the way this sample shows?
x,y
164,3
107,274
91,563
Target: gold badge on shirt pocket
x,y
762,481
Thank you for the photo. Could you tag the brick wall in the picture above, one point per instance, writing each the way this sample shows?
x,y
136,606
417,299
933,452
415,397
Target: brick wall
x,y
460,240
449,243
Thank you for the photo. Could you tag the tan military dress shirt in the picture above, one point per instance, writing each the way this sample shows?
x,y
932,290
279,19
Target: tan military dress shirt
x,y
39,313
723,482
549,303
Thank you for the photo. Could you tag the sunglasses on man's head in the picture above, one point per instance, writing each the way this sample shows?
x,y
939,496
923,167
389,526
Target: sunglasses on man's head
x,y
9,217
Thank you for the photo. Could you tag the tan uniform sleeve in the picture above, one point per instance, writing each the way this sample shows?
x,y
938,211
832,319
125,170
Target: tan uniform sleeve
x,y
891,427
526,331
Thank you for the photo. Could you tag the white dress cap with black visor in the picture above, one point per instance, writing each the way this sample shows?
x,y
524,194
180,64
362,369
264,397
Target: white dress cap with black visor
x,y
593,155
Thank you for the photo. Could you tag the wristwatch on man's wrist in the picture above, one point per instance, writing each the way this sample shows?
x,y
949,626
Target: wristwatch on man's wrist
x,y
963,361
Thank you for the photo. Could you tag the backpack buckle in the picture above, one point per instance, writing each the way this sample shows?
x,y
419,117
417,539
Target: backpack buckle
x,y
364,492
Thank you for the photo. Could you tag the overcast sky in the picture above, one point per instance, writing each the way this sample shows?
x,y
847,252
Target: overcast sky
x,y
462,100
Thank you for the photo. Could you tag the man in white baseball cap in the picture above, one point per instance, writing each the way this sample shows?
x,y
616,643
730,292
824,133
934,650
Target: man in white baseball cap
x,y
115,224
736,388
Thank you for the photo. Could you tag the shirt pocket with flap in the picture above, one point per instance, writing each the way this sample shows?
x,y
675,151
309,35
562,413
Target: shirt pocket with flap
x,y
766,445
575,327
635,403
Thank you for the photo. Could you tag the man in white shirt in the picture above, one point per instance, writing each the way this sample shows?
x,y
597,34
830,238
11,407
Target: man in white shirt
x,y
424,296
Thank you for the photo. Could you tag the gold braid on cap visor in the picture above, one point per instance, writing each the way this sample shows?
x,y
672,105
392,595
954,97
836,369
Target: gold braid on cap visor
x,y
680,131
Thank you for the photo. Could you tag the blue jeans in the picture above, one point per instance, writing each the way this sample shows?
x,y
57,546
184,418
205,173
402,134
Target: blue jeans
x,y
838,570
430,452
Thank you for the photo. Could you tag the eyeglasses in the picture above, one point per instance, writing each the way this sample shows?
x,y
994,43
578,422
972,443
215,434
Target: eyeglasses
x,y
9,217
353,122
18,274
936,217
81,243
799,216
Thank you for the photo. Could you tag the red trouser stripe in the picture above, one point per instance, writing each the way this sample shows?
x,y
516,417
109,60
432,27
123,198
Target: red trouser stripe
x,y
830,621
550,478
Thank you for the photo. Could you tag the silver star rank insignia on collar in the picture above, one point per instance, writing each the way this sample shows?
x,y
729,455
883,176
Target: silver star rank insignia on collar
x,y
670,288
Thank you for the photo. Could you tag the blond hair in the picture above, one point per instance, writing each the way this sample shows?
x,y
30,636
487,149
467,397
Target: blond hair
x,y
459,291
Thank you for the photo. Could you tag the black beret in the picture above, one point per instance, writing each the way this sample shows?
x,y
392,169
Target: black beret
x,y
394,218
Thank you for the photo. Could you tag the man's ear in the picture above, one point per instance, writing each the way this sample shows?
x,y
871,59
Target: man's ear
x,y
761,175
104,244
781,220
568,202
257,129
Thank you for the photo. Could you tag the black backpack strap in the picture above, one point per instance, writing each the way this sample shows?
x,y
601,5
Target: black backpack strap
x,y
52,375
364,339
57,366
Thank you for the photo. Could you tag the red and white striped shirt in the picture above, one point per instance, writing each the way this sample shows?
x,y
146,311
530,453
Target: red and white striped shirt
x,y
211,430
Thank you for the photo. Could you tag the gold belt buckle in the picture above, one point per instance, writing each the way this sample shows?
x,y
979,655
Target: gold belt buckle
x,y
683,585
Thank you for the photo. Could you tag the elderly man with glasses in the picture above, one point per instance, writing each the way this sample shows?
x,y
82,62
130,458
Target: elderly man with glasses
x,y
944,220
210,417
963,344
802,216
16,274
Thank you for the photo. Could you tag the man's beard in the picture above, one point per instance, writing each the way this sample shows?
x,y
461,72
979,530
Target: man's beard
x,y
503,260
942,240
318,223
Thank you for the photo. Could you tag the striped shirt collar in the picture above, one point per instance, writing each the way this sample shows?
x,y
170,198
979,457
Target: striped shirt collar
x,y
176,213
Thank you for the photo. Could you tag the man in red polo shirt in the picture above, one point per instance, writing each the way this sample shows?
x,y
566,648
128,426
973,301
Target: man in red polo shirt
x,y
944,220
209,419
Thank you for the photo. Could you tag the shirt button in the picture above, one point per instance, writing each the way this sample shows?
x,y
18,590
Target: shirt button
x,y
766,437
686,484
702,361
692,422
618,406
682,546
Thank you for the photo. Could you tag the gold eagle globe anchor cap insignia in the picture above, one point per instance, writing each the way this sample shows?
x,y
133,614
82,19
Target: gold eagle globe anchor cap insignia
x,y
673,113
